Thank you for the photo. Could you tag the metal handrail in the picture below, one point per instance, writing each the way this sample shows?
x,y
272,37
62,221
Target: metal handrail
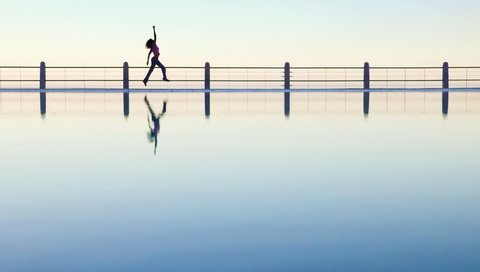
x,y
18,67
420,67
298,76
241,80
244,67
325,68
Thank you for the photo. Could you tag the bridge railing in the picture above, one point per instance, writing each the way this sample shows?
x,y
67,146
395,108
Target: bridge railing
x,y
245,78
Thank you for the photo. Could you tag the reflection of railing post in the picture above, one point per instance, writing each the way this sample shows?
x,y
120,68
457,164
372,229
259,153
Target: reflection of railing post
x,y
366,86
207,87
43,87
287,85
445,85
126,89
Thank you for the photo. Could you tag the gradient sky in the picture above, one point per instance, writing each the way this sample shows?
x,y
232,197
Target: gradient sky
x,y
247,32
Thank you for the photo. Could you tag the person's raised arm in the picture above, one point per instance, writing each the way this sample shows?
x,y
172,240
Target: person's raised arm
x,y
154,34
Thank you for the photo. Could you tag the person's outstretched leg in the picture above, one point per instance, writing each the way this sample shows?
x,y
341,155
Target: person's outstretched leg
x,y
152,66
164,70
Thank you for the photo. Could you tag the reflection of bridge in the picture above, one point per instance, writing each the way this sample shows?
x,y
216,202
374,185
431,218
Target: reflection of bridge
x,y
238,103
207,80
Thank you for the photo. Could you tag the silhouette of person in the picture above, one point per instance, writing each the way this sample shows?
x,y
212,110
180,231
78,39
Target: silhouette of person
x,y
152,45
153,133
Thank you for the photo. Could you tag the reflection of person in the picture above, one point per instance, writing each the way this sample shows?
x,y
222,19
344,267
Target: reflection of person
x,y
152,45
153,133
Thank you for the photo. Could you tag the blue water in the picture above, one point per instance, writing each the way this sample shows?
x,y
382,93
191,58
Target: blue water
x,y
247,189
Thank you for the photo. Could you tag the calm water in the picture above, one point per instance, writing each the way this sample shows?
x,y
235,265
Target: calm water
x,y
247,189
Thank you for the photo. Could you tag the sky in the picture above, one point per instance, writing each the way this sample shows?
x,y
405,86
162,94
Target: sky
x,y
247,32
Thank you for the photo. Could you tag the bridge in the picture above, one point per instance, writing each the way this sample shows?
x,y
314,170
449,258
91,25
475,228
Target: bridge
x,y
209,79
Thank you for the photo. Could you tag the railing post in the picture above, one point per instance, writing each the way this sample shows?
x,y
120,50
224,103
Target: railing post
x,y
287,76
366,76
43,87
207,88
445,85
366,86
207,76
126,90
287,86
126,76
446,76
43,76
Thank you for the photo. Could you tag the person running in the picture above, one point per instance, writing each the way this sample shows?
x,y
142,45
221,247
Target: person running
x,y
153,133
152,45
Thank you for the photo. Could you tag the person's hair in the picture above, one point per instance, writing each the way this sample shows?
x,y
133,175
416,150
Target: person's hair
x,y
149,44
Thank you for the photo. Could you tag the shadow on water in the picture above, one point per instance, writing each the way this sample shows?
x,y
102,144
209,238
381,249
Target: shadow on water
x,y
155,120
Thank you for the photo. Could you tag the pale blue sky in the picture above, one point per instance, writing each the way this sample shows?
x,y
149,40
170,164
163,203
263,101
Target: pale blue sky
x,y
248,32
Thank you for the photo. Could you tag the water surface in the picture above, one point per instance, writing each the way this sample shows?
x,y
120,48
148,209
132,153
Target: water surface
x,y
246,189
